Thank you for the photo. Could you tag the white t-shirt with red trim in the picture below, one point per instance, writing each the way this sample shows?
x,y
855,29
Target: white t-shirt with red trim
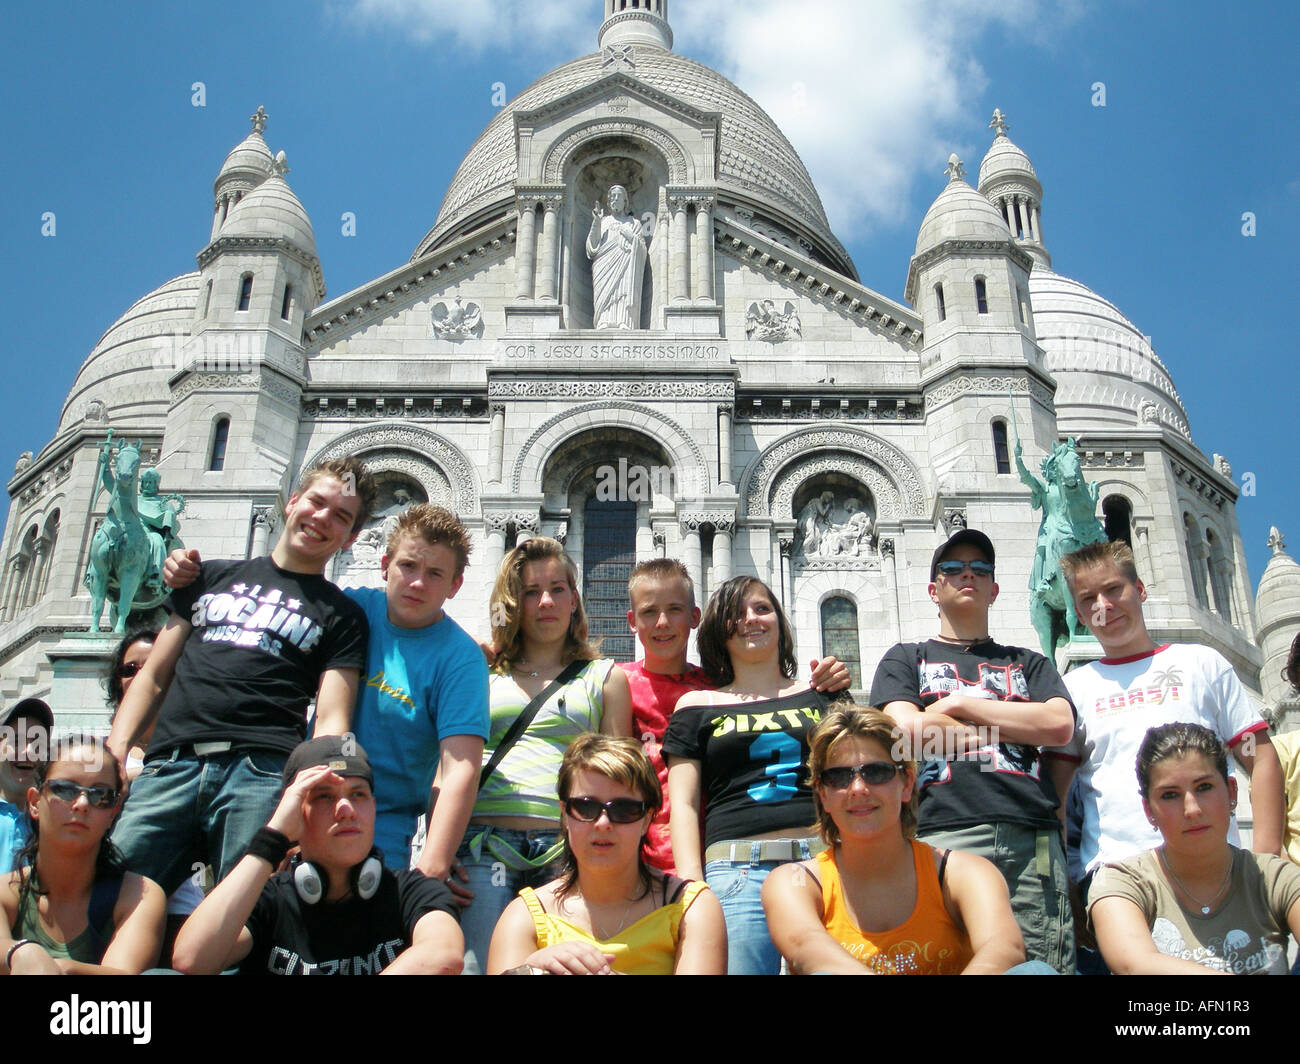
x,y
1118,700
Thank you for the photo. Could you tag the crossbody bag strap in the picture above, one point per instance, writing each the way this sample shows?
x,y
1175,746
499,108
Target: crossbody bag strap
x,y
570,673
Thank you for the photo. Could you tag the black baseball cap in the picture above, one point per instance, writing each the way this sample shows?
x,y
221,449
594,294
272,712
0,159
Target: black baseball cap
x,y
972,536
342,753
33,708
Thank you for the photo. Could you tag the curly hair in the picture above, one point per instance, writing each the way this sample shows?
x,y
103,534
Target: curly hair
x,y
506,609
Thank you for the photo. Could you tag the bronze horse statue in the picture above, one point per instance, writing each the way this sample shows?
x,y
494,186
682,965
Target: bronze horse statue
x,y
120,551
1069,505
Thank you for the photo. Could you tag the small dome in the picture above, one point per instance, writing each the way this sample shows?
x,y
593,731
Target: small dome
x,y
272,210
129,367
959,213
246,166
1005,160
1279,587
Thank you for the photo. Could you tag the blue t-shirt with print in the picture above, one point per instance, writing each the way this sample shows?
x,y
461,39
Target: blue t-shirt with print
x,y
13,835
419,686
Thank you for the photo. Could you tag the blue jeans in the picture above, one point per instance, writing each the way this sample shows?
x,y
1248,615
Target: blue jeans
x,y
738,885
185,810
500,862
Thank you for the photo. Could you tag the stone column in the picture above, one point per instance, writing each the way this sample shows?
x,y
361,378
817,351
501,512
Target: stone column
x,y
891,575
11,591
702,267
1029,219
678,250
526,526
723,529
259,545
40,559
1146,564
494,549
550,251
496,442
1038,224
526,249
786,543
1006,213
693,558
724,443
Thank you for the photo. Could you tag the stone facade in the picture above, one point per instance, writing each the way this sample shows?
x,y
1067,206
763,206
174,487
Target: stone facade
x,y
763,375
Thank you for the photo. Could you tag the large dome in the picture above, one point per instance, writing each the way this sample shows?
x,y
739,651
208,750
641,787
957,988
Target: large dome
x,y
1106,371
754,157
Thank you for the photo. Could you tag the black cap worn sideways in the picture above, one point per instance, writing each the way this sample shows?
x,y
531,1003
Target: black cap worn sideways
x,y
972,536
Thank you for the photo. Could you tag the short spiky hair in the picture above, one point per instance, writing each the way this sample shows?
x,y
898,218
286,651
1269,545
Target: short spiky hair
x,y
352,472
436,526
1094,554
661,569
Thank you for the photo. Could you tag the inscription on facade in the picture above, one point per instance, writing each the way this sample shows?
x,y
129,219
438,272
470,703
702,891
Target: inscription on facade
x,y
582,350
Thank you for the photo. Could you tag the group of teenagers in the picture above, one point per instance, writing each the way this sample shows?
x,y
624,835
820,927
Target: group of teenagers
x,y
525,806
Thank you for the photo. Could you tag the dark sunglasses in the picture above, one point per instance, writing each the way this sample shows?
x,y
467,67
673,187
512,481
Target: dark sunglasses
x,y
100,795
619,811
873,773
954,568
128,669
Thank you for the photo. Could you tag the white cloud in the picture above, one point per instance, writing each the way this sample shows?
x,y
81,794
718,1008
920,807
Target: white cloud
x,y
873,94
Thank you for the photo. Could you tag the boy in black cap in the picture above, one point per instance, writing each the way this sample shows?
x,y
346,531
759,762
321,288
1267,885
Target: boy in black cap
x,y
976,712
336,910
24,740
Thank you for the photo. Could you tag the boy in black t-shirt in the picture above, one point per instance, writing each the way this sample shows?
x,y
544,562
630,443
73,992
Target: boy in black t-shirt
x,y
336,910
977,712
248,647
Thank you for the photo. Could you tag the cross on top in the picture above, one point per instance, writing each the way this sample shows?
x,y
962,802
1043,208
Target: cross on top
x,y
999,123
258,118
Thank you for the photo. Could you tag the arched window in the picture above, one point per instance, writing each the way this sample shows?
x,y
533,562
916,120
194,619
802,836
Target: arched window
x,y
840,635
1001,453
207,298
245,291
1220,572
1020,304
1195,560
1117,513
608,554
938,298
981,296
220,436
286,304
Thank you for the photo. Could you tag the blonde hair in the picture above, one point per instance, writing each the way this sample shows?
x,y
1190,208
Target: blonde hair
x,y
841,725
436,526
506,610
661,569
1094,554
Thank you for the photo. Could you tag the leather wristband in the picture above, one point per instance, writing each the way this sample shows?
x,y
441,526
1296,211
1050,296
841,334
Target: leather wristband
x,y
270,845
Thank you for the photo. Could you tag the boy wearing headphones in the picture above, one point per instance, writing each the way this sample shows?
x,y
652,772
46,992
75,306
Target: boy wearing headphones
x,y
335,910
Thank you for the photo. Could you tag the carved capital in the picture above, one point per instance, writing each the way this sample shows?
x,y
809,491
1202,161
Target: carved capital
x,y
497,521
887,548
263,517
660,538
499,409
786,544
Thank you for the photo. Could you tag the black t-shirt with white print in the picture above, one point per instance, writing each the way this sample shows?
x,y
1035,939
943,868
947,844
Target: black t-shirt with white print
x,y
262,638
351,937
998,783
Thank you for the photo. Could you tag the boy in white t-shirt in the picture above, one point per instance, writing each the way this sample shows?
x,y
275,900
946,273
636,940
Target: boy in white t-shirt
x,y
1136,686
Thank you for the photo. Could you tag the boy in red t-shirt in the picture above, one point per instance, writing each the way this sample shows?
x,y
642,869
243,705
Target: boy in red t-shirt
x,y
662,614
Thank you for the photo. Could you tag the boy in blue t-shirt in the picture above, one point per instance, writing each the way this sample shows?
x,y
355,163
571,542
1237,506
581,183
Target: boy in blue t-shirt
x,y
422,704
24,737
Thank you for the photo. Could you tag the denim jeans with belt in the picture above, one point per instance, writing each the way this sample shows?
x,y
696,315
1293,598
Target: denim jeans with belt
x,y
499,862
186,810
738,885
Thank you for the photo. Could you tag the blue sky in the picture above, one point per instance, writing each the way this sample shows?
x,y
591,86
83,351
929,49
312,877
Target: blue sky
x,y
376,101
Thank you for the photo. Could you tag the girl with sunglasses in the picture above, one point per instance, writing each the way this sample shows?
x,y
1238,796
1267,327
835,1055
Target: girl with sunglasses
x,y
129,656
610,912
74,910
539,628
876,901
1195,905
737,753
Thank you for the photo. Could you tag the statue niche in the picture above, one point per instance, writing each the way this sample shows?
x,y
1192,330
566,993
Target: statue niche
x,y
836,525
617,248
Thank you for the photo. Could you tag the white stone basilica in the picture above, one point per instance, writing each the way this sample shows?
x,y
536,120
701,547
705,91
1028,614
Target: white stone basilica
x,y
747,405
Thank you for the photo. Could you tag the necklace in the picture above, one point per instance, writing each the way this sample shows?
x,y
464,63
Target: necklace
x,y
1205,909
600,932
961,642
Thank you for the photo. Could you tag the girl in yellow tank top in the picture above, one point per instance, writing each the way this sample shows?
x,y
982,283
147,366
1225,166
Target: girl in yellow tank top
x,y
875,902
